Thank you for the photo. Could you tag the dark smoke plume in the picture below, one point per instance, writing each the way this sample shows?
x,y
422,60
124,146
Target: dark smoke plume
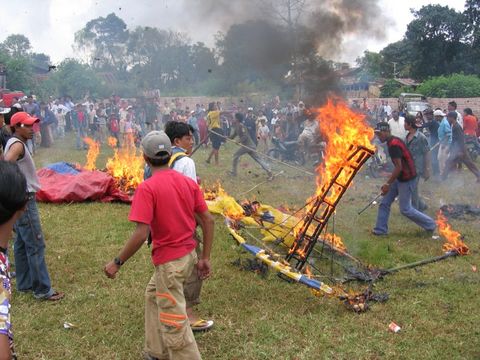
x,y
313,31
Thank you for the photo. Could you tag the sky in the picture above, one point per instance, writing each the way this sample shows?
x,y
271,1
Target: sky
x,y
51,24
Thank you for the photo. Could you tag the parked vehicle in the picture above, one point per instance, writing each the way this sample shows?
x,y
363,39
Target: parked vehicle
x,y
7,96
411,104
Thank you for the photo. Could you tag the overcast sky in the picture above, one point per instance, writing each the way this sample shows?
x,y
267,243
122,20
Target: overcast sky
x,y
50,24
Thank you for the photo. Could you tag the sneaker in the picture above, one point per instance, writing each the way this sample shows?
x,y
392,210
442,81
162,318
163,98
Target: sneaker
x,y
147,356
231,173
270,177
373,232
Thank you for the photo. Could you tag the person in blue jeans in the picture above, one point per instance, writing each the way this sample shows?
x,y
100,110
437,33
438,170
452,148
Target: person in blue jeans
x,y
29,249
401,184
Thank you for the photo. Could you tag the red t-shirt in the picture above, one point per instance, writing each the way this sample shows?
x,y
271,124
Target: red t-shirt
x,y
470,125
167,202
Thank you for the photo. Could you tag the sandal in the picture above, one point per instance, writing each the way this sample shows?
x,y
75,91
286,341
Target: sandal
x,y
201,325
55,296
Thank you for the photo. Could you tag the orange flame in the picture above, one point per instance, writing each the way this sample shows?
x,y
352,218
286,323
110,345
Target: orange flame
x,y
453,242
125,166
92,154
343,130
335,241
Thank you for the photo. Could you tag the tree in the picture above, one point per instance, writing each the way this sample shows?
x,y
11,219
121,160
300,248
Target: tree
x,y
456,85
16,45
40,61
371,64
75,79
104,40
438,36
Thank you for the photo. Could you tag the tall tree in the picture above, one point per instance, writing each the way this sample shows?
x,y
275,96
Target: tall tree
x,y
438,35
16,45
104,39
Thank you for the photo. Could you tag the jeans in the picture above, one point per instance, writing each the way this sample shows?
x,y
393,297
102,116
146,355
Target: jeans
x,y
417,201
81,132
435,164
404,192
29,250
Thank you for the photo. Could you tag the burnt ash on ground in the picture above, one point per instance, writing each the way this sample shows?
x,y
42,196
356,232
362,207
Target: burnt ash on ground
x,y
460,211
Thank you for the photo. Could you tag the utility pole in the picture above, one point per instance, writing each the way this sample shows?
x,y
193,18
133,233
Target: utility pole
x,y
394,69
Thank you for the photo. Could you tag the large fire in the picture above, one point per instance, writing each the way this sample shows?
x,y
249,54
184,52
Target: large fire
x,y
343,130
452,237
92,154
125,166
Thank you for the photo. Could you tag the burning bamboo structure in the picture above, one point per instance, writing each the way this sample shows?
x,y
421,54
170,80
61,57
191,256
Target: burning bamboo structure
x,y
316,219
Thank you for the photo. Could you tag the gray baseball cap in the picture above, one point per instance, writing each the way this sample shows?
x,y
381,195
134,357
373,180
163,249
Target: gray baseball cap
x,y
157,145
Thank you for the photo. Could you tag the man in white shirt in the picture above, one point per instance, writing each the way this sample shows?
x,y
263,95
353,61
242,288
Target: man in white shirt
x,y
397,127
387,109
452,106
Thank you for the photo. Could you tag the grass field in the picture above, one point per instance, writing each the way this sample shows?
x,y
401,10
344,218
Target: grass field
x,y
257,318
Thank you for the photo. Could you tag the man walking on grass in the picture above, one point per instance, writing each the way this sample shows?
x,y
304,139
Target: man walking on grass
x,y
401,183
248,147
166,205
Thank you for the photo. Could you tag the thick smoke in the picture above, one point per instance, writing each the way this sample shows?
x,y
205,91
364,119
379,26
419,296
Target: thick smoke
x,y
313,30
333,22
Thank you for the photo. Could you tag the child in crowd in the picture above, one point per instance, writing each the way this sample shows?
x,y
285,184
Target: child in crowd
x,y
263,134
61,122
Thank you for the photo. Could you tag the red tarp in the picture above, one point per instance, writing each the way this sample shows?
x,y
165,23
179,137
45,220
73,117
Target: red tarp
x,y
83,186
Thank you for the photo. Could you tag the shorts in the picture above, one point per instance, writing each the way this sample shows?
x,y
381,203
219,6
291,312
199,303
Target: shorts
x,y
215,138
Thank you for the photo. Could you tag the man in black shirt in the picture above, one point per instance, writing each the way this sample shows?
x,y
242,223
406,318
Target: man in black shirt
x,y
400,183
432,125
458,153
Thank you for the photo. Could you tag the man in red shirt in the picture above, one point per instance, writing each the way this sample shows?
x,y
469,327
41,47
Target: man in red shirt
x,y
166,205
401,184
470,127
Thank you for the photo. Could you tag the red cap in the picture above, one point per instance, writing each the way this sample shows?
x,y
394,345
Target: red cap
x,y
23,118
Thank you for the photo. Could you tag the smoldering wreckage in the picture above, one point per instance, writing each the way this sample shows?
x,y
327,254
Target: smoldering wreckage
x,y
300,245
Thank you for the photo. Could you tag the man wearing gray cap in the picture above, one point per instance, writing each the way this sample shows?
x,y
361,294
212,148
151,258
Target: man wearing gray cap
x,y
165,205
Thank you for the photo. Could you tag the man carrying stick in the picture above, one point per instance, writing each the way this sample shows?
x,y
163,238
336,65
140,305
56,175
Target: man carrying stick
x,y
166,205
241,131
401,183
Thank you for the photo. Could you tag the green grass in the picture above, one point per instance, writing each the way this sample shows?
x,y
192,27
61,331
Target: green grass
x,y
256,318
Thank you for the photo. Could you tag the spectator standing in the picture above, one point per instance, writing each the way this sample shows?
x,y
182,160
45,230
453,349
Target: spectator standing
x,y
29,249
452,106
432,125
444,138
263,135
417,144
215,128
397,125
13,198
470,127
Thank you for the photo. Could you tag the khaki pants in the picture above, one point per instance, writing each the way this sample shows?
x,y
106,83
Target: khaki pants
x,y
167,330
193,285
442,157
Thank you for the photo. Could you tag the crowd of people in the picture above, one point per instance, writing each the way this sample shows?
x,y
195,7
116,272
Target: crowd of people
x,y
168,206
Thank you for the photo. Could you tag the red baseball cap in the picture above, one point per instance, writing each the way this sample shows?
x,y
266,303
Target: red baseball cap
x,y
23,118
